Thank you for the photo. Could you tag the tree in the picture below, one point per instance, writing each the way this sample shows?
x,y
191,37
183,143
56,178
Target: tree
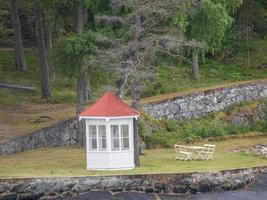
x,y
19,51
5,24
71,56
72,51
147,32
83,85
72,27
44,68
253,14
208,21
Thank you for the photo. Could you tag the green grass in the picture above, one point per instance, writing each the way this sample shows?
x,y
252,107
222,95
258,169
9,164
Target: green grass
x,y
9,74
166,132
63,91
71,161
177,78
63,88
257,54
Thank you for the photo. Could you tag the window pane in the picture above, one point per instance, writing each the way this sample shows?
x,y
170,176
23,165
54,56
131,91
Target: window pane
x,y
114,131
115,138
125,130
126,144
102,141
125,137
92,137
115,144
94,144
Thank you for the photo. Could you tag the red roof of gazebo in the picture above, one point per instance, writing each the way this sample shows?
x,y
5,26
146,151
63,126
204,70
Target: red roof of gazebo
x,y
109,105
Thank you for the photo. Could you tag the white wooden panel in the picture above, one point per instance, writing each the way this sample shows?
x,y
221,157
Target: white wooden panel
x,y
97,160
110,160
122,160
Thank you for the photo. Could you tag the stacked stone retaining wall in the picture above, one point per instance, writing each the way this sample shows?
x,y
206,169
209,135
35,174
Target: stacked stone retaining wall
x,y
60,134
197,104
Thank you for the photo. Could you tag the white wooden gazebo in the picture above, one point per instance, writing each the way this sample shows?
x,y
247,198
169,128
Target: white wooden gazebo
x,y
109,134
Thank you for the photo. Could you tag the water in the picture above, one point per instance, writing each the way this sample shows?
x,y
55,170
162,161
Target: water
x,y
256,191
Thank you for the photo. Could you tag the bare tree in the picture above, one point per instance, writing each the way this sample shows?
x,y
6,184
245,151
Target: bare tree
x,y
44,68
148,23
15,21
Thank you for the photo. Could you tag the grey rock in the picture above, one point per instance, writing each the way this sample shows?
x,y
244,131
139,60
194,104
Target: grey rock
x,y
103,195
85,186
172,197
9,196
3,187
174,107
30,196
113,182
131,183
134,196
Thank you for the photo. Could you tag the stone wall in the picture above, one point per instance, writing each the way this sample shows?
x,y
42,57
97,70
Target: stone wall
x,y
66,188
200,103
63,133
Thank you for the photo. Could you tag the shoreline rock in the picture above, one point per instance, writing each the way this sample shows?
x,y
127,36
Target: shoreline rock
x,y
188,183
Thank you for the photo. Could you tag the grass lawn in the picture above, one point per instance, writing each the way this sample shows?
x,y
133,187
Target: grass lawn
x,y
71,161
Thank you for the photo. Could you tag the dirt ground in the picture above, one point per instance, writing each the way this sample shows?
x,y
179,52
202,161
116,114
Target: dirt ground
x,y
26,118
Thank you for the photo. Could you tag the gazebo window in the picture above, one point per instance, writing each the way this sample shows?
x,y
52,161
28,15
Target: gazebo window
x,y
102,138
115,138
92,137
125,137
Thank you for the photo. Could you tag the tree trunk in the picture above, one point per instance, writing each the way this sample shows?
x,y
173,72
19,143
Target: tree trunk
x,y
83,85
88,90
136,143
83,91
86,93
136,83
80,17
44,69
15,21
48,35
195,64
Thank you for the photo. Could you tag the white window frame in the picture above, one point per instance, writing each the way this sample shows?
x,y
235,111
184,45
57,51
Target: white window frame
x,y
108,124
98,149
121,148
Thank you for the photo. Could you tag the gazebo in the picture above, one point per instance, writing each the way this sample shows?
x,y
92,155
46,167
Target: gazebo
x,y
109,134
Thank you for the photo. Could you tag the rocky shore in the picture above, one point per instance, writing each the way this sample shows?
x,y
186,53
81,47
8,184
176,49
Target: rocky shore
x,y
68,188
